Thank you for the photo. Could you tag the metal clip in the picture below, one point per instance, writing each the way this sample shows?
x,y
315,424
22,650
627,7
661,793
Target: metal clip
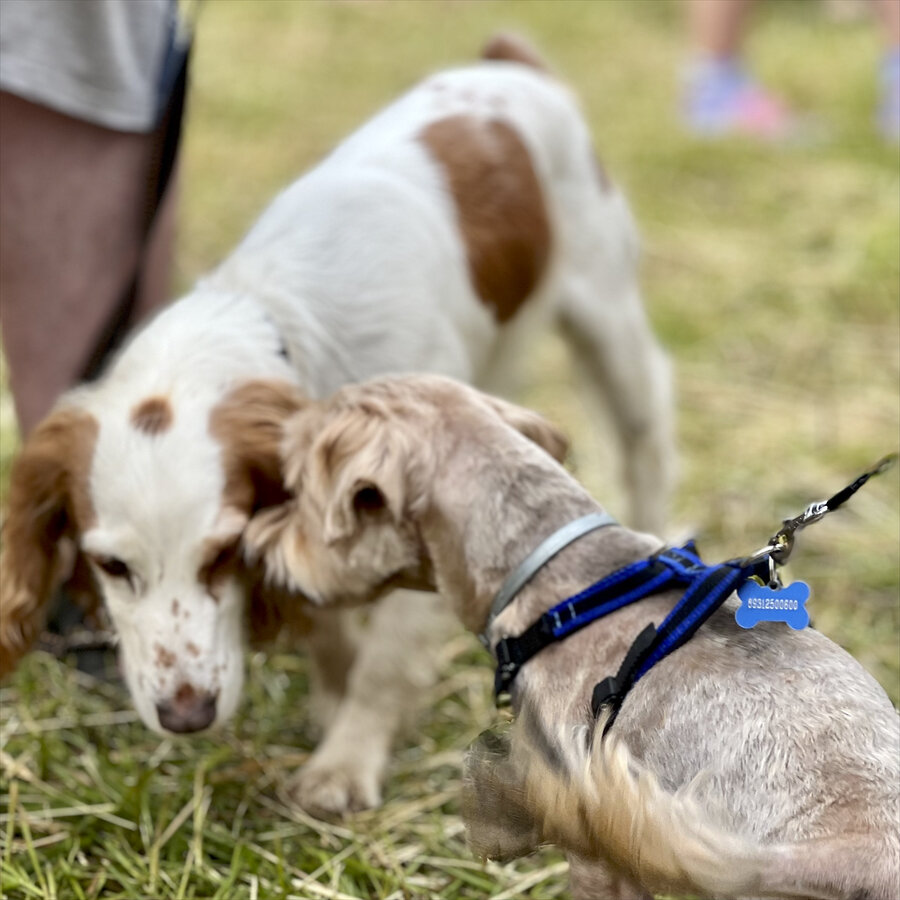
x,y
774,578
757,555
813,513
782,543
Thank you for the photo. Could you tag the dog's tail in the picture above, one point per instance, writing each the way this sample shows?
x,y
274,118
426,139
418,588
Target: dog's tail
x,y
598,802
513,48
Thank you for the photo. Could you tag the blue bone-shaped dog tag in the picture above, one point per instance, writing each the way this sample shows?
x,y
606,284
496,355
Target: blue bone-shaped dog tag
x,y
764,604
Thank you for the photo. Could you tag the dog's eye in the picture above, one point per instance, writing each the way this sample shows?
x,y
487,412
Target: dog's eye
x,y
113,567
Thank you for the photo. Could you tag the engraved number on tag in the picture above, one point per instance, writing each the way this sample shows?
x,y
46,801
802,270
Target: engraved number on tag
x,y
760,603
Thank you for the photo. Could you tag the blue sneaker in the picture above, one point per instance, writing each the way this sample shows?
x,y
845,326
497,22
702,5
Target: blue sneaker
x,y
889,111
721,99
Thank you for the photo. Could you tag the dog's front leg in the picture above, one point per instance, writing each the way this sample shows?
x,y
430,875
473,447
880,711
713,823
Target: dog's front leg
x,y
396,661
590,880
332,643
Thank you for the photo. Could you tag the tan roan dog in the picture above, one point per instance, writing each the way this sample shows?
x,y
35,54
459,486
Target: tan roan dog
x,y
761,763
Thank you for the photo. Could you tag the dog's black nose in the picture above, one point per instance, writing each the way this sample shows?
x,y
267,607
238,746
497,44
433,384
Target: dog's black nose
x,y
188,710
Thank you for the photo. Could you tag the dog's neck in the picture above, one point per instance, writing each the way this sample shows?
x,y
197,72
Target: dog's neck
x,y
208,339
477,536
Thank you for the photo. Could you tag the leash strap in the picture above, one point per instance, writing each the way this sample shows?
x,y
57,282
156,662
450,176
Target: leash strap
x,y
538,558
782,542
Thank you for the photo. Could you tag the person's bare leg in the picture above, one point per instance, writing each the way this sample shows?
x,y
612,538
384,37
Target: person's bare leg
x,y
717,26
72,207
721,97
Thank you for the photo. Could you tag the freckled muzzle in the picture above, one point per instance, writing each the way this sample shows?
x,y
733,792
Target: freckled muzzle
x,y
188,711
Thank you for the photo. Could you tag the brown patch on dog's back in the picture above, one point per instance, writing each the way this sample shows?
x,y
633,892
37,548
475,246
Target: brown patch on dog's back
x,y
153,415
499,204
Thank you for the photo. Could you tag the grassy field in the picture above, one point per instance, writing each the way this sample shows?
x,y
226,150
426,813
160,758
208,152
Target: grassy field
x,y
773,278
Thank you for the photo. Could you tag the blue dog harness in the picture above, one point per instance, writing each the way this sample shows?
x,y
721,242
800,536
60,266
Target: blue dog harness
x,y
705,588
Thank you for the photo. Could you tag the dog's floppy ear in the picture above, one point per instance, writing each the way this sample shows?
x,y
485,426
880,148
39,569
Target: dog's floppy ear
x,y
249,424
534,426
371,469
48,502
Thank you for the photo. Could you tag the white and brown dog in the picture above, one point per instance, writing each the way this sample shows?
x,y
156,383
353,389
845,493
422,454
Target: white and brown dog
x,y
760,763
467,211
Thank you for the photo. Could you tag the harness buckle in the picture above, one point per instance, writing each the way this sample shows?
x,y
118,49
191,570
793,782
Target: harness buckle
x,y
503,678
605,691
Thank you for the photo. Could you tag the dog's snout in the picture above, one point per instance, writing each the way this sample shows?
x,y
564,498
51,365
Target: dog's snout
x,y
189,710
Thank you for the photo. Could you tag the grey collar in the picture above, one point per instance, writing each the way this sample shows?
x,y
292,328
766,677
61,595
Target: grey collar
x,y
539,557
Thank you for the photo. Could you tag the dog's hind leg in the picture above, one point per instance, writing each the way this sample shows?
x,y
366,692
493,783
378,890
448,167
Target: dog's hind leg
x,y
605,325
597,298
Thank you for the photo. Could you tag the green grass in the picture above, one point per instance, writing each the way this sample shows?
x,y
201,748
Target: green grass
x,y
773,278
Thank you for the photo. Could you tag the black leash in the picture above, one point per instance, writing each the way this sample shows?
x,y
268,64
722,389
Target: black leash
x,y
782,542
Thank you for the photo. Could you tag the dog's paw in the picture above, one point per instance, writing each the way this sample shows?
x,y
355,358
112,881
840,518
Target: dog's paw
x,y
328,790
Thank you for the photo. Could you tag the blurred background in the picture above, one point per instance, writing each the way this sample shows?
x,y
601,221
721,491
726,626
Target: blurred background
x,y
771,272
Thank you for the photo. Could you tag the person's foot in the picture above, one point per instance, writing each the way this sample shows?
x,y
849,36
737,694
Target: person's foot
x,y
889,111
721,99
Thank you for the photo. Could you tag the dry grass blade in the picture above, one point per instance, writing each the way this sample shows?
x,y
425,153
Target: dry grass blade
x,y
38,815
95,720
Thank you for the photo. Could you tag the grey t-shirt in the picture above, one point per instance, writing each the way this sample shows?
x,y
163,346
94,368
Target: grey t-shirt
x,y
98,60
